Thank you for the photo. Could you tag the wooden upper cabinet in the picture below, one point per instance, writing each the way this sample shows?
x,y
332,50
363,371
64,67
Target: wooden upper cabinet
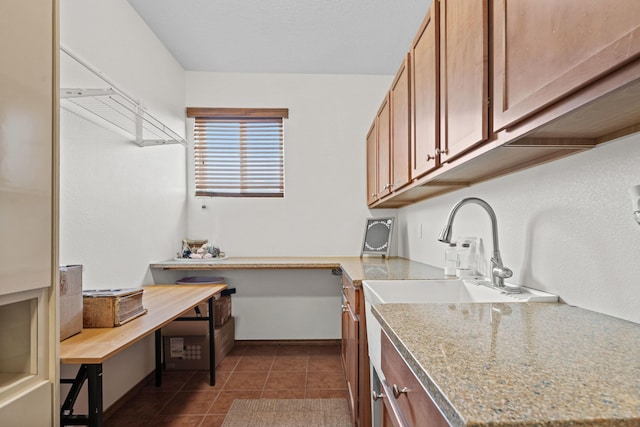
x,y
424,96
372,164
464,80
383,125
400,100
546,49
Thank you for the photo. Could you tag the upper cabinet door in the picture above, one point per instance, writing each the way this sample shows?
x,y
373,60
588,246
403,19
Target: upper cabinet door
x,y
400,98
372,164
26,144
383,125
464,80
544,50
424,96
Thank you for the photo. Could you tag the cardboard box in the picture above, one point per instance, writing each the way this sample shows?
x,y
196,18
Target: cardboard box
x,y
190,352
222,310
196,327
70,300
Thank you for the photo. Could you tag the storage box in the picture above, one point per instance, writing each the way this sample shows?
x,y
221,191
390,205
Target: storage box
x,y
222,309
192,352
106,308
70,300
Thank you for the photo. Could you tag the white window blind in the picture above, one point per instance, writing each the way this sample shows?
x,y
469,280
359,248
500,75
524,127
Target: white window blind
x,y
238,152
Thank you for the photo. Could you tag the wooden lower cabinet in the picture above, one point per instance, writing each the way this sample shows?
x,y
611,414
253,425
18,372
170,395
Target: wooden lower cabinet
x,y
355,357
350,356
406,402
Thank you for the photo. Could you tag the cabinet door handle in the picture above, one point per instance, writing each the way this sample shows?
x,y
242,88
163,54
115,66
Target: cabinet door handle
x,y
441,151
398,391
375,395
430,157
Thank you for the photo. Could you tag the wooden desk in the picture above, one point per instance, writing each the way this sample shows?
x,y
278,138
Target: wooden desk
x,y
91,347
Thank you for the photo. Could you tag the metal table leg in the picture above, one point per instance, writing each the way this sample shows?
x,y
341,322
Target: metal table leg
x,y
158,337
212,343
94,377
92,373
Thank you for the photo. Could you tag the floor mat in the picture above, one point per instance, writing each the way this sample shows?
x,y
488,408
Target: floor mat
x,y
288,413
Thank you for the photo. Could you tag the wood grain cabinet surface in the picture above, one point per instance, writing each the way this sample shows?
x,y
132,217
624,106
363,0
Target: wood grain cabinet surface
x,y
372,164
464,76
501,86
546,49
383,128
400,99
355,357
424,96
406,402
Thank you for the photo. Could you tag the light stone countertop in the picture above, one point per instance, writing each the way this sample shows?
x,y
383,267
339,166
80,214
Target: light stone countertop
x,y
356,268
528,364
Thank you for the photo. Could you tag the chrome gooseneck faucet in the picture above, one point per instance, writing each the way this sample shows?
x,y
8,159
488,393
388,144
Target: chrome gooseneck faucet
x,y
498,271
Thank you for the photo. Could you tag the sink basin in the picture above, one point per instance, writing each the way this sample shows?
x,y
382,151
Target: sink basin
x,y
428,292
445,291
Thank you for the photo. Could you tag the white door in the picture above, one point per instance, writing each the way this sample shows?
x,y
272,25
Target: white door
x,y
28,217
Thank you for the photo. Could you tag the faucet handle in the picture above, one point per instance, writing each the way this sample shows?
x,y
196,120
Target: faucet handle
x,y
502,272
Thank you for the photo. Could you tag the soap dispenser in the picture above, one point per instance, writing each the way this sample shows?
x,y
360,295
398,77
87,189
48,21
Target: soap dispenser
x,y
450,260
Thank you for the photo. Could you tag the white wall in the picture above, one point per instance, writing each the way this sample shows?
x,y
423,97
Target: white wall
x,y
323,211
565,227
121,206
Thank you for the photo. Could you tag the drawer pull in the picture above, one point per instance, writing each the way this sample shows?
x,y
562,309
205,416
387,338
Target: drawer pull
x,y
375,396
398,391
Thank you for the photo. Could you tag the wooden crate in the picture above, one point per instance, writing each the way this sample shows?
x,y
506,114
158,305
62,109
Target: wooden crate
x,y
111,307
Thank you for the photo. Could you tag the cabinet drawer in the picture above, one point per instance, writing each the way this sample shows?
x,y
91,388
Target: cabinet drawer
x,y
352,295
414,404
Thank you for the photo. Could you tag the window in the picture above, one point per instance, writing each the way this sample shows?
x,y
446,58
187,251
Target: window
x,y
239,152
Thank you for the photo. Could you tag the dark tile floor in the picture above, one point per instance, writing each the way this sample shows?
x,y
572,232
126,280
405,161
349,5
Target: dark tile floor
x,y
248,372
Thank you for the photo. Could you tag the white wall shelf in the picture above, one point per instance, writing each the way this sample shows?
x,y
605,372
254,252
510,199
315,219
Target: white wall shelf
x,y
117,109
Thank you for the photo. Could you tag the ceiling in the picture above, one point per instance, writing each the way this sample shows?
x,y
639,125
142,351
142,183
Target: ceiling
x,y
286,36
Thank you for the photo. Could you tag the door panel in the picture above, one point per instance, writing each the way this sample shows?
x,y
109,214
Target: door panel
x,y
463,75
547,49
425,93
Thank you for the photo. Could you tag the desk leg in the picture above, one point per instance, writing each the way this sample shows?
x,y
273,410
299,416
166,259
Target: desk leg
x,y
158,336
92,373
212,346
94,377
